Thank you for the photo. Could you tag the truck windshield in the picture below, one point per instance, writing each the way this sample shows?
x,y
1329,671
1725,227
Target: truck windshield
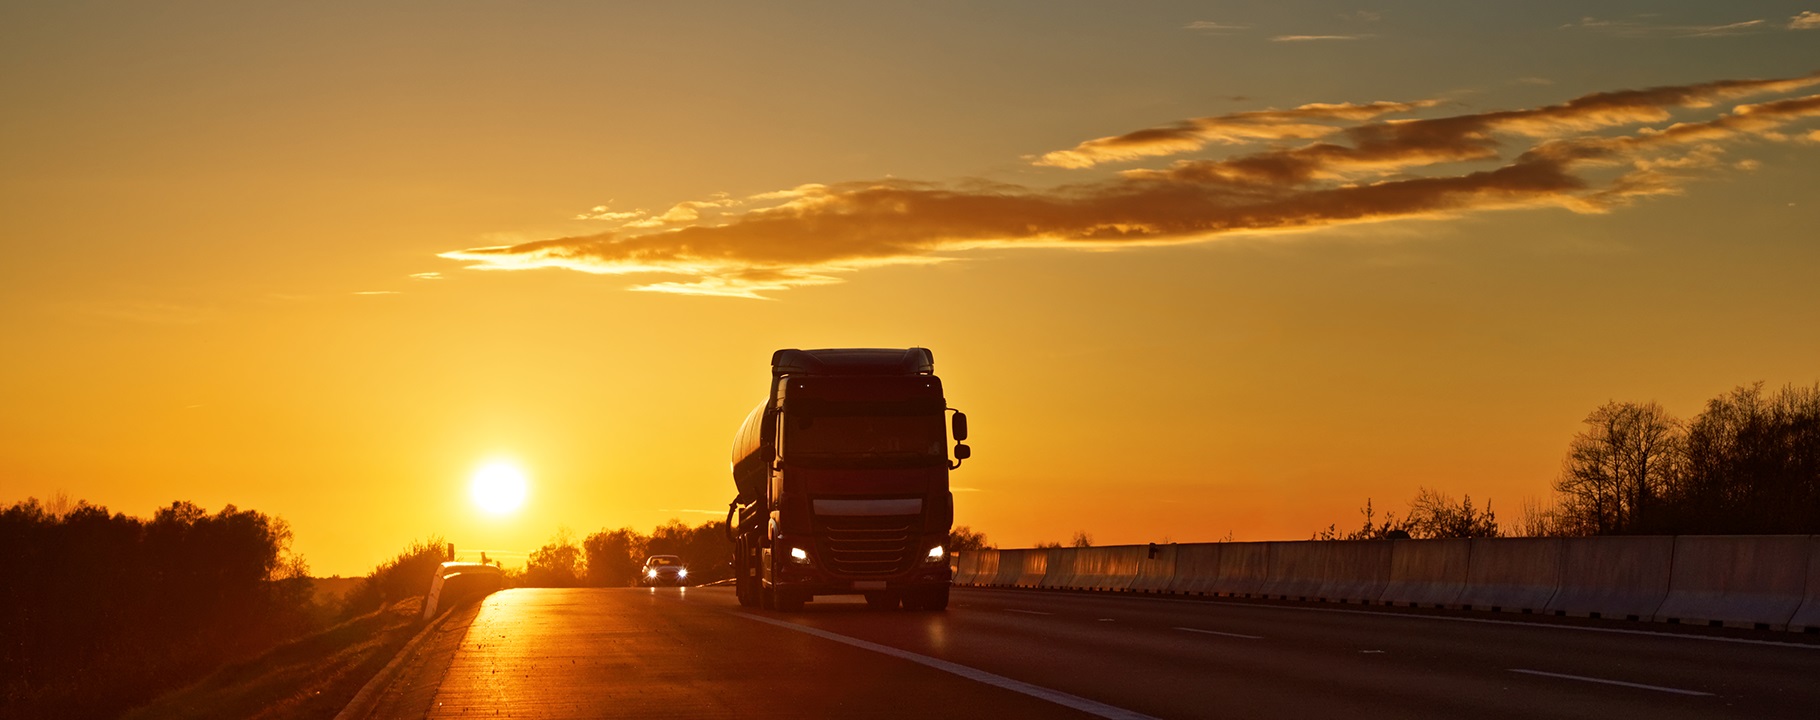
x,y
866,439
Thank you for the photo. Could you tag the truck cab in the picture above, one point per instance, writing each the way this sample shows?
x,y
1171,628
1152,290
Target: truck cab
x,y
842,476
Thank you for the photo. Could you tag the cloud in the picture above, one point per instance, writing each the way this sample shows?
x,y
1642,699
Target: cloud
x,y
377,292
1808,20
427,276
1645,26
1307,38
1302,123
1591,154
1215,27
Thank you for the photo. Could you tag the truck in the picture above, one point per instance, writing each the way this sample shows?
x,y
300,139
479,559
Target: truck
x,y
842,481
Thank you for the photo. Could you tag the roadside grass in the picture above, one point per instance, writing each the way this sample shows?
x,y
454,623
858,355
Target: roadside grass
x,y
311,677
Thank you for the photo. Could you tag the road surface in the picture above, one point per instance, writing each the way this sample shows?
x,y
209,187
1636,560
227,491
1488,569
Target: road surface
x,y
694,653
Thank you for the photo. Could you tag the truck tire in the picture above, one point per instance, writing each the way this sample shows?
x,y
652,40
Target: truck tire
x,y
927,598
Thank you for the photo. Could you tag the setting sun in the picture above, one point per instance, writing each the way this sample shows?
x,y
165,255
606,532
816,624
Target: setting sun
x,y
498,488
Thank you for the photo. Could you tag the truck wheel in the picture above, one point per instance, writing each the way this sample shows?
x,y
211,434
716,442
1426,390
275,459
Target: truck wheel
x,y
935,599
788,600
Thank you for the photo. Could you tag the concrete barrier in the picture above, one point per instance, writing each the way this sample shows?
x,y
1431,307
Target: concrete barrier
x,y
1297,569
1010,567
1030,572
1807,617
1738,580
1357,571
1243,569
1513,574
1059,570
1427,573
1155,573
985,569
1111,568
963,566
1197,569
454,582
1621,577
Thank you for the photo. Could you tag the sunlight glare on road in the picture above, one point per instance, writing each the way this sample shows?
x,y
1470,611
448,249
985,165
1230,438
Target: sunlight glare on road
x,y
498,488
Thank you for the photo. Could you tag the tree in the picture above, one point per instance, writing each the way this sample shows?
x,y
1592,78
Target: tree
x,y
1752,464
1619,468
1433,514
614,557
556,564
963,538
1081,539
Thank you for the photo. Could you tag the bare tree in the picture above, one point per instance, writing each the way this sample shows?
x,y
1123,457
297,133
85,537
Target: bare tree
x,y
1618,469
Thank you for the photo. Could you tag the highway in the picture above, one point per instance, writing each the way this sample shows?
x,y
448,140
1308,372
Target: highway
x,y
694,653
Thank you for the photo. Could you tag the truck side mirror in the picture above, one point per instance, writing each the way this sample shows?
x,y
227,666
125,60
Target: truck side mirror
x,y
962,452
960,426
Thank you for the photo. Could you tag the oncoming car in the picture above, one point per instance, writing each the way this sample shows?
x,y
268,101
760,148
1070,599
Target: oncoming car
x,y
664,570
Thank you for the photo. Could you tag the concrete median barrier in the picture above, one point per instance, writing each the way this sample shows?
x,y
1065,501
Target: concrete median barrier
x,y
1427,573
1110,569
1155,571
1513,574
1357,571
984,570
1010,567
1807,617
1297,569
1737,580
1197,569
1031,571
1059,570
964,565
1621,577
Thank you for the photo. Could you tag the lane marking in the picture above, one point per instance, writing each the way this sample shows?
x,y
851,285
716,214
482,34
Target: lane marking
x,y
1058,697
1603,681
1216,632
1028,612
1486,621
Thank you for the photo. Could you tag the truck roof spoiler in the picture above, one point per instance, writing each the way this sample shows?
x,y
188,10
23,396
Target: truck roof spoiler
x,y
853,361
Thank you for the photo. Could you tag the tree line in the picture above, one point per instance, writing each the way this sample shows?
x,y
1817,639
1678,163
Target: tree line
x,y
1747,464
100,611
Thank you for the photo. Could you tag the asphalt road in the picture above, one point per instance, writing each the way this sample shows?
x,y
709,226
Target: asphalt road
x,y
693,653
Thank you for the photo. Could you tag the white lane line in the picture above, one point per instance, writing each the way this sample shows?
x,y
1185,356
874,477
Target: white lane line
x,y
1028,612
1603,681
1058,697
1224,634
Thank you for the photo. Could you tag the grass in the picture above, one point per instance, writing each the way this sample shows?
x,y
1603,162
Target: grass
x,y
311,677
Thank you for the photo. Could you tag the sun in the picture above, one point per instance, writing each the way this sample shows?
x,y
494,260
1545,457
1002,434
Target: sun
x,y
498,488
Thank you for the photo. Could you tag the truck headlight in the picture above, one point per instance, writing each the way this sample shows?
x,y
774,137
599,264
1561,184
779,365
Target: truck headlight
x,y
936,554
799,555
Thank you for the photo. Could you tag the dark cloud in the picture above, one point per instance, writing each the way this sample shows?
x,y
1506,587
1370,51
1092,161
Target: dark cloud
x,y
1564,156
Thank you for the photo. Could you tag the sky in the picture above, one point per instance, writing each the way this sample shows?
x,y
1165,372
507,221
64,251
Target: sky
x,y
1194,270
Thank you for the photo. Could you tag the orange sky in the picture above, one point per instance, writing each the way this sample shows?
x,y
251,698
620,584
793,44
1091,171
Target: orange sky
x,y
1189,271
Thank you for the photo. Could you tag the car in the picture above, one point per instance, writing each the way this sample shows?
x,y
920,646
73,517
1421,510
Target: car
x,y
664,570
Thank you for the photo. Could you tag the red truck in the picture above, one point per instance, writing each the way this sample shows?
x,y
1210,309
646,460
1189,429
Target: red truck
x,y
842,475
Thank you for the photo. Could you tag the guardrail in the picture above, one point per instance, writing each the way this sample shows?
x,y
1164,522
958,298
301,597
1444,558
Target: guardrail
x,y
1769,582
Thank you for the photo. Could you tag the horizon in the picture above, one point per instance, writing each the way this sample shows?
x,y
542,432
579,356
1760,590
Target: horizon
x,y
1192,273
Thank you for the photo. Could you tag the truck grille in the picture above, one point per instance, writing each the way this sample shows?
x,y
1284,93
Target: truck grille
x,y
877,545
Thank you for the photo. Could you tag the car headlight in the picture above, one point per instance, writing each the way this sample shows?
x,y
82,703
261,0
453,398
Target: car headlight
x,y
682,573
936,554
650,573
